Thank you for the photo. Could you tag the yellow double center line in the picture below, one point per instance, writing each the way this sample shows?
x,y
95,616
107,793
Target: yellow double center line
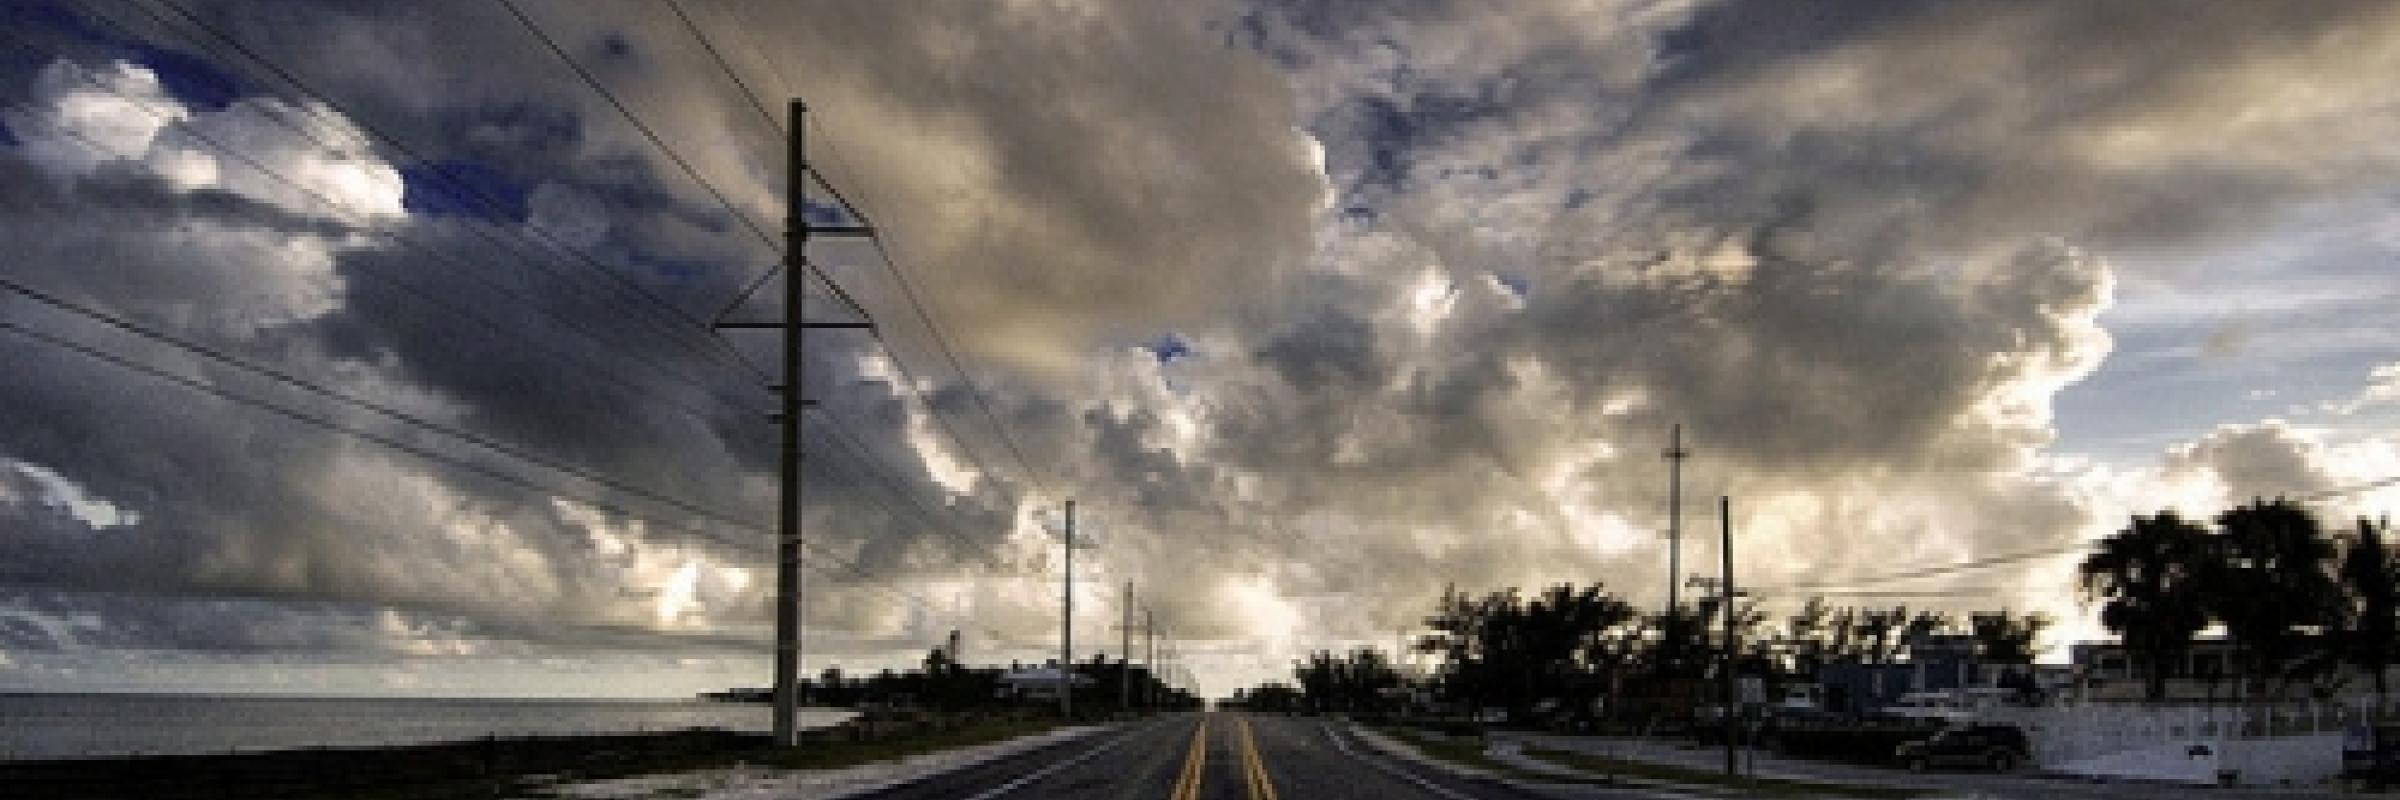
x,y
1187,786
1195,764
1254,768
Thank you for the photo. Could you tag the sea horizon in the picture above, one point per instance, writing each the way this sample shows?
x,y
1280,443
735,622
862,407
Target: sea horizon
x,y
86,724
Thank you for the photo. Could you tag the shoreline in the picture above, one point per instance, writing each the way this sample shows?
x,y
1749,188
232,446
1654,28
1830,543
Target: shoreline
x,y
59,726
488,766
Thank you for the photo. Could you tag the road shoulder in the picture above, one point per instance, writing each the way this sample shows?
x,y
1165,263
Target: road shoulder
x,y
748,782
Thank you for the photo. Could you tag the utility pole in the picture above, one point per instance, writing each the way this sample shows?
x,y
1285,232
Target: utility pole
x,y
1150,654
1066,639
1125,668
1725,558
792,402
1675,455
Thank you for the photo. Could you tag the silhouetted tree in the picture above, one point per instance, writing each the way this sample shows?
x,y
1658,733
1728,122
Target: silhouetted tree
x,y
1360,681
2274,588
1810,640
2150,580
2001,638
1504,650
2370,637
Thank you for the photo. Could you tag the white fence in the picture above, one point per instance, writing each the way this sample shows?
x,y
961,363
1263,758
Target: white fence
x,y
2296,743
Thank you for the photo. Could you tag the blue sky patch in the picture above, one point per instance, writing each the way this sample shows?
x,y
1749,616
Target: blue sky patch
x,y
824,213
193,81
1169,348
27,14
1515,283
464,189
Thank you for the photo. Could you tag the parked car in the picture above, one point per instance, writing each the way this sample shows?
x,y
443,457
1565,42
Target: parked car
x,y
2371,755
1998,747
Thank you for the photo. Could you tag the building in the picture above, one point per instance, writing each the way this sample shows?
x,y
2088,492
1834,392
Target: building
x,y
1039,683
2209,672
1936,663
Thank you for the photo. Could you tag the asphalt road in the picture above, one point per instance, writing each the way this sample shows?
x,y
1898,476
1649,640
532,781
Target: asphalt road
x,y
1218,756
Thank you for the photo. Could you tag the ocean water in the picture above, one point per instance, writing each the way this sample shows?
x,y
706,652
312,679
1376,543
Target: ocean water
x,y
48,726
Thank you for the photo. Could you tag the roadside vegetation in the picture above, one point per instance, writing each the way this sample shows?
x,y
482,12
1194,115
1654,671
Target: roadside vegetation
x,y
2296,601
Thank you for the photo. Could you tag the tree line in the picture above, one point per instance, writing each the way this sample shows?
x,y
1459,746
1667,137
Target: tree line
x,y
1575,649
943,683
2295,601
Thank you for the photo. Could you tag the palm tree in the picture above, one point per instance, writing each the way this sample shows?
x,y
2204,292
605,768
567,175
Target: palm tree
x,y
2275,590
2151,579
2371,637
2007,639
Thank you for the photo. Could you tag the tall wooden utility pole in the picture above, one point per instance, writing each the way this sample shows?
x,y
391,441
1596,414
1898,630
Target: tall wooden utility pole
x,y
1066,637
787,530
1125,667
1675,455
1725,558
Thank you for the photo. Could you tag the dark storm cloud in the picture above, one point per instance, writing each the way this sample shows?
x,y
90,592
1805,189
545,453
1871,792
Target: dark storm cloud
x,y
451,315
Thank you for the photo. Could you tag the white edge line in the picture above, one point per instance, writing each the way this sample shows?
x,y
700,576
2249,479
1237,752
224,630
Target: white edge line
x,y
1389,769
1045,772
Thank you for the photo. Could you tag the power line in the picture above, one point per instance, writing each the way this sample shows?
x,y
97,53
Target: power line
x,y
910,383
724,66
379,409
647,132
941,339
530,232
907,377
1938,570
371,230
875,466
319,422
1973,565
415,450
875,238
758,102
847,476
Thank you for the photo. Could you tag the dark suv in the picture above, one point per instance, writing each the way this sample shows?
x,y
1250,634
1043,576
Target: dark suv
x,y
1999,747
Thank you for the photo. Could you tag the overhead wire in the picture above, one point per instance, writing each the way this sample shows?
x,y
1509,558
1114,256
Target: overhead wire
x,y
371,230
327,424
758,104
679,321
941,340
851,447
379,409
388,412
875,239
1935,571
845,475
429,454
593,81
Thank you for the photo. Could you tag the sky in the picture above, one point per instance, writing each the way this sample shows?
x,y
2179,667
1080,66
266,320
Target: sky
x,y
361,348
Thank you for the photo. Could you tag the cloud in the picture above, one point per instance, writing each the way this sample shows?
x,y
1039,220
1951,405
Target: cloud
x,y
1442,277
2382,389
54,490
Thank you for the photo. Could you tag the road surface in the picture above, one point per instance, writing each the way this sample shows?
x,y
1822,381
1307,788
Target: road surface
x,y
1219,756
